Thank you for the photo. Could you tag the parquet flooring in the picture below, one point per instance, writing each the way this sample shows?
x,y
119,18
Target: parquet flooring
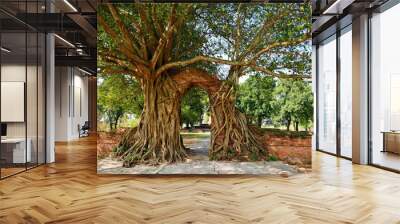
x,y
70,191
11,170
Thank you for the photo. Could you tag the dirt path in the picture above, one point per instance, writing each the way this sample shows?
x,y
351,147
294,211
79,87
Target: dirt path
x,y
198,147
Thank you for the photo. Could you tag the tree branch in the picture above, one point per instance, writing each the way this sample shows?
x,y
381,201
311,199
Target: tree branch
x,y
277,74
226,62
155,19
281,44
164,37
268,23
146,27
138,69
238,34
141,37
170,39
125,32
118,71
123,49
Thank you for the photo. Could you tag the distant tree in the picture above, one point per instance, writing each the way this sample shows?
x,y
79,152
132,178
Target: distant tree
x,y
304,105
293,103
255,98
194,105
118,95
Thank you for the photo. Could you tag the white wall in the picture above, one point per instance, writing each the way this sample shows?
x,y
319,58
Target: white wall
x,y
62,81
71,102
33,126
12,73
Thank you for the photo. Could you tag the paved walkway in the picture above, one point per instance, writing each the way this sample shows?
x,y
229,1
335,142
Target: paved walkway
x,y
198,148
198,163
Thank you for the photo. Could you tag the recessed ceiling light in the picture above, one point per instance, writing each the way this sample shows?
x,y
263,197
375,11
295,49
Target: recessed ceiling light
x,y
5,50
64,40
337,7
86,72
70,5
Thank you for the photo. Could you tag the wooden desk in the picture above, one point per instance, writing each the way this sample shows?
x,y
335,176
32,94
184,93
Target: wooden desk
x,y
391,141
13,150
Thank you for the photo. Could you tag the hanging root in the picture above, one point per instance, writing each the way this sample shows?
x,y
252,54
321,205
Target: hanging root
x,y
232,138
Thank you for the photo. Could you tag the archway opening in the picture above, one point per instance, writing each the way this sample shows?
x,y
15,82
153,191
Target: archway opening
x,y
196,123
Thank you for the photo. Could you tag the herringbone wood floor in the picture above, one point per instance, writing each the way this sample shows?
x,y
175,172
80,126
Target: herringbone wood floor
x,y
70,191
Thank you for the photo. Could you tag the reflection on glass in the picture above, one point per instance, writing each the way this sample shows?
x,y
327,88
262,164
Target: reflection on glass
x,y
15,151
41,99
346,93
385,84
31,97
327,96
22,90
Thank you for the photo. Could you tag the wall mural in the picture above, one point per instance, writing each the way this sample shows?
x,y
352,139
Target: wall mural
x,y
204,88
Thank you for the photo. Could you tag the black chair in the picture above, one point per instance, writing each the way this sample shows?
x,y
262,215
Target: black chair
x,y
84,130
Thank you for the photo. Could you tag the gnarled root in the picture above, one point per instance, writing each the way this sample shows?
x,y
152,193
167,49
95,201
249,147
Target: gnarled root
x,y
232,138
156,139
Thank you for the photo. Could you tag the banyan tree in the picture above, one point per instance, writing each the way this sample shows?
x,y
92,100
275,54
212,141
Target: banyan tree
x,y
170,48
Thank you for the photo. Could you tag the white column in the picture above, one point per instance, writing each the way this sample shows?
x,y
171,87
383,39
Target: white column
x,y
50,94
360,90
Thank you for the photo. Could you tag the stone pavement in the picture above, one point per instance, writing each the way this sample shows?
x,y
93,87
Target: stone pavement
x,y
198,163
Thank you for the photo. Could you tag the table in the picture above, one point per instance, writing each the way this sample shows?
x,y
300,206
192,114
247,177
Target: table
x,y
13,150
391,141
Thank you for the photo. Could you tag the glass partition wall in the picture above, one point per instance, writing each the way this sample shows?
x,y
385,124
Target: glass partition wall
x,y
385,89
334,105
327,95
334,86
22,77
345,90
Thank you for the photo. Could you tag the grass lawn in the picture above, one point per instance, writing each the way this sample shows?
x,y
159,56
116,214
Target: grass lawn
x,y
188,135
280,132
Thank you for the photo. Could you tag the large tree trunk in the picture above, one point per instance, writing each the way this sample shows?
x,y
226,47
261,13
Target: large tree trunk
x,y
156,139
232,138
259,121
289,121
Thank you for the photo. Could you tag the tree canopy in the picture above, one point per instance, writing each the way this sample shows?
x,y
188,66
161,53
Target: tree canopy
x,y
151,39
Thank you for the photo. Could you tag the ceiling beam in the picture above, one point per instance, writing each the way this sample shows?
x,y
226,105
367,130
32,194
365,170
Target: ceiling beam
x,y
76,61
86,26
